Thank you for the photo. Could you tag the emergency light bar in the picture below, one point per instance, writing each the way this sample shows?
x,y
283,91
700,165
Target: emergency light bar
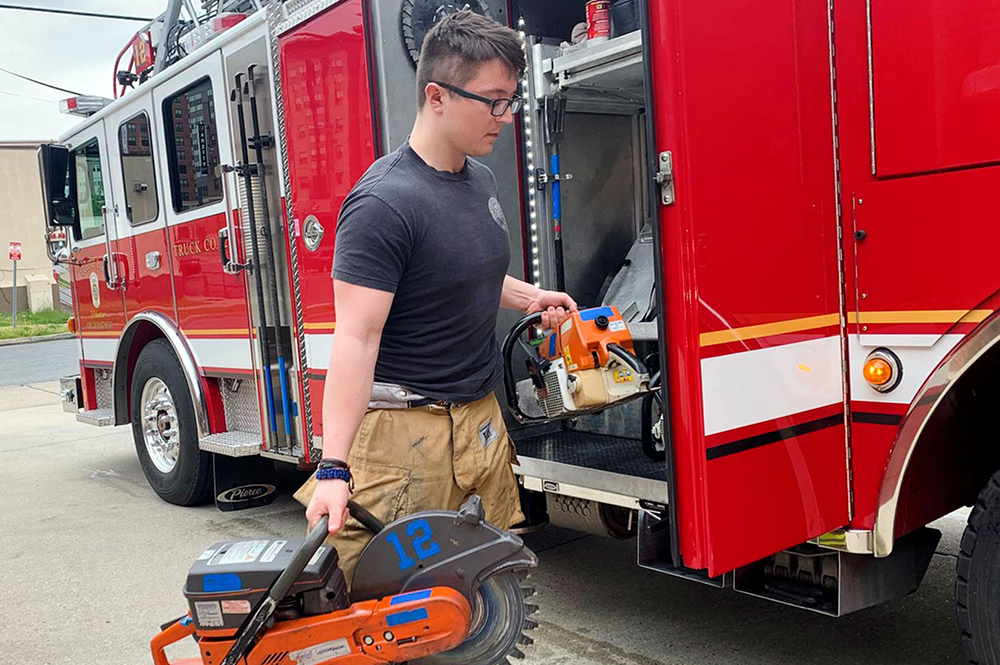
x,y
83,105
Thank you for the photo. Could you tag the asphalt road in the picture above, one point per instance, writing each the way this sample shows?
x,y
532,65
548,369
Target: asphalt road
x,y
92,562
38,361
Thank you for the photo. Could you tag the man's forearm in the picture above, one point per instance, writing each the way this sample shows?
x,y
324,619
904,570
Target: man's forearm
x,y
346,392
517,294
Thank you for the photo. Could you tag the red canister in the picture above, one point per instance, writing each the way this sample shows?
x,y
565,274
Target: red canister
x,y
598,21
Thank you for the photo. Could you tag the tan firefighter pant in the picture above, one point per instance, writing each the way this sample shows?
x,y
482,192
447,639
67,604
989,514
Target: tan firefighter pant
x,y
433,457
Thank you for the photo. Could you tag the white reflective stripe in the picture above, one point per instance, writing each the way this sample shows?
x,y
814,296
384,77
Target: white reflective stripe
x,y
742,389
318,350
893,341
232,353
917,363
97,348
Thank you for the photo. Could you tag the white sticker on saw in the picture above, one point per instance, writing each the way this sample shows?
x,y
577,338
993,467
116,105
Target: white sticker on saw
x,y
236,607
321,653
566,326
246,551
209,614
616,326
316,556
207,554
271,553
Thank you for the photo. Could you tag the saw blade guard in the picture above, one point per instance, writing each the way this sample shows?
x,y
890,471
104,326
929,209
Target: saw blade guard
x,y
438,548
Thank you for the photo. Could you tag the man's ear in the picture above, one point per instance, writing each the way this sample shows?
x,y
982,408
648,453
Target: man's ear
x,y
434,97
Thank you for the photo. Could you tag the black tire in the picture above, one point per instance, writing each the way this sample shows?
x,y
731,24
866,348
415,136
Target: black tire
x,y
977,580
500,632
189,482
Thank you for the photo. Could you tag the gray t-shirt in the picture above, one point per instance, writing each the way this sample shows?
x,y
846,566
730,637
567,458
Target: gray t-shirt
x,y
438,240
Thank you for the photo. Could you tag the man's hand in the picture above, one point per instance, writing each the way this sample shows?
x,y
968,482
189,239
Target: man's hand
x,y
330,498
554,306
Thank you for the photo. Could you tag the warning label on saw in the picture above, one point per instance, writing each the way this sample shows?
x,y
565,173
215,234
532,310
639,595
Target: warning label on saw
x,y
209,614
321,653
272,551
246,551
236,607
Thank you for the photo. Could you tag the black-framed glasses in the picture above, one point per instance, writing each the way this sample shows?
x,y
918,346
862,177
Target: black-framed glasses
x,y
497,106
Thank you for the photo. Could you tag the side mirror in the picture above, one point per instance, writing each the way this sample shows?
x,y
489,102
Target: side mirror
x,y
53,162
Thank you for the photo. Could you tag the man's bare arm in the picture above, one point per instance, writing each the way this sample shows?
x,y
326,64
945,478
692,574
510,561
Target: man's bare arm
x,y
524,297
361,315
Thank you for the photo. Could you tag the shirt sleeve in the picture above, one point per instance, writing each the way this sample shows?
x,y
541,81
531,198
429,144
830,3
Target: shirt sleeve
x,y
373,244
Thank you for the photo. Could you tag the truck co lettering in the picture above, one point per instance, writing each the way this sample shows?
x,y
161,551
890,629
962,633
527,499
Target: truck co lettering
x,y
192,247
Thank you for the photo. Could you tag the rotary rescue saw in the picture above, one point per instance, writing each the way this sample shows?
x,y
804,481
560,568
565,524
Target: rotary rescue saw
x,y
587,364
441,586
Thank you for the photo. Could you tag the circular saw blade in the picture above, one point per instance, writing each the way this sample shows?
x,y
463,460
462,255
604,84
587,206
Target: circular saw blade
x,y
500,621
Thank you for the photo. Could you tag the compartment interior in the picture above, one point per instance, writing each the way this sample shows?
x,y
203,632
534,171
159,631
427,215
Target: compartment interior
x,y
607,216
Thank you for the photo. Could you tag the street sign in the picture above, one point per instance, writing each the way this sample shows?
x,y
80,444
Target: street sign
x,y
14,251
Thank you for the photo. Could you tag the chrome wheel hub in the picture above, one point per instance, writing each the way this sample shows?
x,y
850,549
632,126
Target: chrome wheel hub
x,y
159,425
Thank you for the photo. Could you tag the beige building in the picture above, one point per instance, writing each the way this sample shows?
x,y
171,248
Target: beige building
x,y
22,219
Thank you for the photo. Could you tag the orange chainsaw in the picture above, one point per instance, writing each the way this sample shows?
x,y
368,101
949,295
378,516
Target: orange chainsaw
x,y
585,365
442,586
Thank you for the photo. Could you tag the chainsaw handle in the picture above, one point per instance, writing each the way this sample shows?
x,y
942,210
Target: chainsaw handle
x,y
509,384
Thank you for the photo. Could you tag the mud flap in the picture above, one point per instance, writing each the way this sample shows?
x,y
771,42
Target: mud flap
x,y
243,482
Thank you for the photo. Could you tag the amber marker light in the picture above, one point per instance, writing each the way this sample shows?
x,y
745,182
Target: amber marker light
x,y
71,324
882,370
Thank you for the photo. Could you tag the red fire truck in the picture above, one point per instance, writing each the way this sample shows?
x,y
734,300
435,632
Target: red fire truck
x,y
788,203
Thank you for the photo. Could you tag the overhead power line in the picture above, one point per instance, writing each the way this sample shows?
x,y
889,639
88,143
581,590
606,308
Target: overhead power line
x,y
37,99
47,85
119,17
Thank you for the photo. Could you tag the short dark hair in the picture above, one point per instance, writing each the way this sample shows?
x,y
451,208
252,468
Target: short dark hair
x,y
459,43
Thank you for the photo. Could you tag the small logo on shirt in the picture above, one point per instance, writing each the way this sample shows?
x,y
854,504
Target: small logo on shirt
x,y
497,213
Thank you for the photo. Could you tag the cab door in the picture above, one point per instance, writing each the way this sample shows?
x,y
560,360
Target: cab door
x,y
191,111
141,228
96,269
743,114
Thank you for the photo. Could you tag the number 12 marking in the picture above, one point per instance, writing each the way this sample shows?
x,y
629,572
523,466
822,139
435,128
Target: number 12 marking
x,y
420,534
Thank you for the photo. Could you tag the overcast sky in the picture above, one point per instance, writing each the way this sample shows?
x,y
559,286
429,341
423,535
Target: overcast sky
x,y
73,52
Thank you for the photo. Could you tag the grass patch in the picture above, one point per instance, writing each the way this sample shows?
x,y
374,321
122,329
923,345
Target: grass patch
x,y
33,324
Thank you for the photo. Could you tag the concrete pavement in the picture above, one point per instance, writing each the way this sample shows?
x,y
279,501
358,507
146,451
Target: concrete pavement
x,y
93,562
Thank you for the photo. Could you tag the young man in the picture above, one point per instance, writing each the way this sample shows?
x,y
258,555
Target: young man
x,y
419,273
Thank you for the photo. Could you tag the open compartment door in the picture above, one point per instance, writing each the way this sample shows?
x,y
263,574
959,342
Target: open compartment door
x,y
743,124
330,137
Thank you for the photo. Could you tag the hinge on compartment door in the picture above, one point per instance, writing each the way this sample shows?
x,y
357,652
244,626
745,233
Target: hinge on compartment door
x,y
665,178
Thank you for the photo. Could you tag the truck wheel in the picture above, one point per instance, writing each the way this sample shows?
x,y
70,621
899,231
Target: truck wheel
x,y
165,431
977,583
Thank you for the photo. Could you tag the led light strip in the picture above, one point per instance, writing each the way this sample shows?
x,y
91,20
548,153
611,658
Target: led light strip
x,y
530,145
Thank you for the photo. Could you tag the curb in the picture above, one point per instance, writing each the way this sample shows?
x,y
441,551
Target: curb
x,y
30,340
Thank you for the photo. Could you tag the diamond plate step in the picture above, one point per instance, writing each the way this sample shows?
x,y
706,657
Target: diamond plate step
x,y
232,444
99,417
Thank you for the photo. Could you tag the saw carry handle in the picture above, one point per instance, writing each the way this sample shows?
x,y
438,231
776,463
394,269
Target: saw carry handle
x,y
254,624
251,629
